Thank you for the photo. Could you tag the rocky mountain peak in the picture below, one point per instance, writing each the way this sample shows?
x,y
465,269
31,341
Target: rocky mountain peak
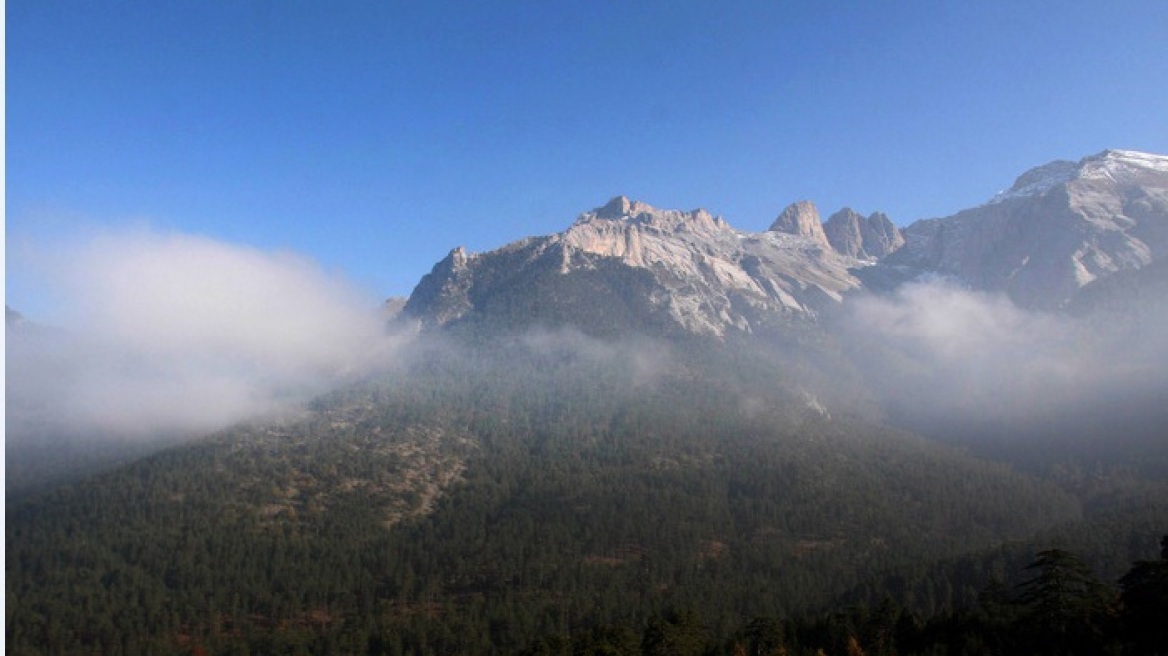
x,y
458,257
621,207
853,235
1109,166
628,259
1060,227
629,218
1123,167
1132,158
1041,178
844,234
881,236
634,212
797,218
441,295
801,218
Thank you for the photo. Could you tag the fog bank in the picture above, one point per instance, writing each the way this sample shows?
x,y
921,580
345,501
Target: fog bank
x,y
164,333
950,357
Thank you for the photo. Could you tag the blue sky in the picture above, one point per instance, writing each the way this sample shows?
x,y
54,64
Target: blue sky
x,y
374,137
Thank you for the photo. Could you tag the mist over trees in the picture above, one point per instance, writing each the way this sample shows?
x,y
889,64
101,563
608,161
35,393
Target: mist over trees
x,y
649,434
546,490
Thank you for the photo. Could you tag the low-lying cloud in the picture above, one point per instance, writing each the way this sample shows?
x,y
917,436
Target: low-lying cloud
x,y
639,359
950,356
166,333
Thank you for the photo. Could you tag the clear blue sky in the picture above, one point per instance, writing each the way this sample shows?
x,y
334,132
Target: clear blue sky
x,y
376,136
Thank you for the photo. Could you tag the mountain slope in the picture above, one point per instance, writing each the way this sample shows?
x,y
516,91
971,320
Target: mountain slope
x,y
873,237
1058,228
649,411
629,266
485,496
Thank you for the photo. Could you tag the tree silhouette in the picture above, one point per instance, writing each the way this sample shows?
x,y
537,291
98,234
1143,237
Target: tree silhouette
x,y
1145,604
1065,606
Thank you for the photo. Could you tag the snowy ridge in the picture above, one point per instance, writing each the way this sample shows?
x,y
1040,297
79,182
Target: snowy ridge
x,y
1118,164
1038,181
1061,227
1113,165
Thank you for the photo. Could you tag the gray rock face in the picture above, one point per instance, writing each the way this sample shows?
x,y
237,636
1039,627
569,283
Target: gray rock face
x,y
844,234
881,236
442,295
1058,228
699,274
802,219
627,264
864,238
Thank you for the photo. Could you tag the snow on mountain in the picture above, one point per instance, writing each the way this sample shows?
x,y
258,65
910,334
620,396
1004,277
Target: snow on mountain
x,y
1060,227
1117,164
1114,165
1038,181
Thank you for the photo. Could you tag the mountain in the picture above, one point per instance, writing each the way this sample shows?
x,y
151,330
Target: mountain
x,y
493,492
1060,227
1039,309
801,218
650,416
853,235
630,266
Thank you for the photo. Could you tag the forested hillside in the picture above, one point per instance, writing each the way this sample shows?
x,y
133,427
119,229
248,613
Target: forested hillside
x,y
483,497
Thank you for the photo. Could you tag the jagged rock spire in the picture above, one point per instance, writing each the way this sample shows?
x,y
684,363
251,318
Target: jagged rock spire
x,y
801,218
622,206
855,236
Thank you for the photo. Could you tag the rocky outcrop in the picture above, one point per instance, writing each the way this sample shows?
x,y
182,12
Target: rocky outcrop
x,y
442,295
691,270
852,235
630,265
801,219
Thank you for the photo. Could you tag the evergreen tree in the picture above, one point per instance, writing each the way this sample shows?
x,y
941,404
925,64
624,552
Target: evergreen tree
x,y
764,636
1145,604
678,634
1065,606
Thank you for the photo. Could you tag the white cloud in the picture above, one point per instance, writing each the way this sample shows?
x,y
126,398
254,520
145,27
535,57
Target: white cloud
x,y
950,355
170,332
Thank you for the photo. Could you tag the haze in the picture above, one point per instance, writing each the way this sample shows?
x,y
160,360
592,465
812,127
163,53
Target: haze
x,y
947,357
164,332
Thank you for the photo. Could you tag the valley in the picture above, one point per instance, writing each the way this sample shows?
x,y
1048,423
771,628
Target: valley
x,y
654,433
